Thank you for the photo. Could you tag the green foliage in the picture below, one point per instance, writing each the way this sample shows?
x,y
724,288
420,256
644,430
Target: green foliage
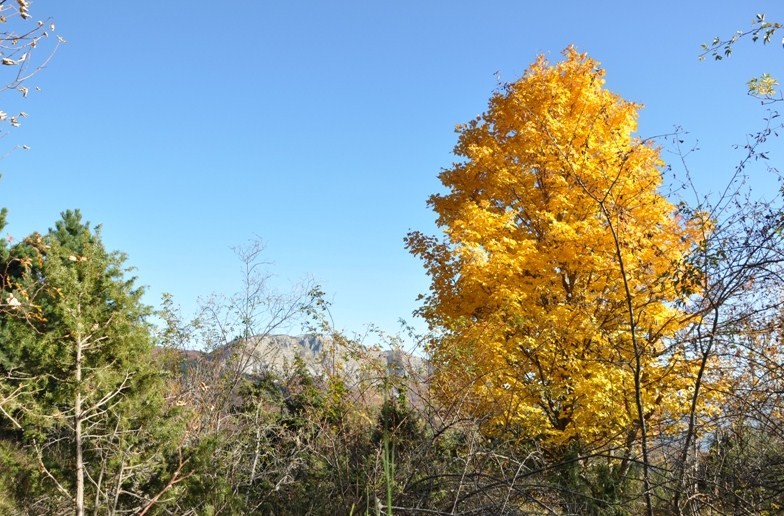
x,y
719,47
763,86
398,420
80,291
82,359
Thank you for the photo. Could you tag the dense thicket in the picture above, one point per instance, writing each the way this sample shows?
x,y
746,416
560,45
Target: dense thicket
x,y
157,429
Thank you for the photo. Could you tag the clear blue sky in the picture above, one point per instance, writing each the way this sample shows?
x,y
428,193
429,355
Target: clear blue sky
x,y
186,128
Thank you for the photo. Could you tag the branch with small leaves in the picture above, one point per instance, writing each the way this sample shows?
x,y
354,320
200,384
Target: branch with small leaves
x,y
764,86
21,41
720,48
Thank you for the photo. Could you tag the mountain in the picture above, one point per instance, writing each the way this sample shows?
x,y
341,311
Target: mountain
x,y
321,356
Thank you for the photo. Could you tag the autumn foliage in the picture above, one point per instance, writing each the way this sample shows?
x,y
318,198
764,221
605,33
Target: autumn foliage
x,y
596,346
557,283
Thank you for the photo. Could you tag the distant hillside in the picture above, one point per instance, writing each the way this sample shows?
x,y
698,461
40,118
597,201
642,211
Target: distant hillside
x,y
320,355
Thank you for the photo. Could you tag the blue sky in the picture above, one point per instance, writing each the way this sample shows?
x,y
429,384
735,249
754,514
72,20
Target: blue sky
x,y
192,127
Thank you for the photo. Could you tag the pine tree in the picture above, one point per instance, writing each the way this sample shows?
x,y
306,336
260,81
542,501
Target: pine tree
x,y
86,362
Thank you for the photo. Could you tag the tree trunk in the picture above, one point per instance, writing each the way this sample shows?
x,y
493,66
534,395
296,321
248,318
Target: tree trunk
x,y
79,502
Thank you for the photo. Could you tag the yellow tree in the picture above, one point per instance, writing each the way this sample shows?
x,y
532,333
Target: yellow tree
x,y
558,283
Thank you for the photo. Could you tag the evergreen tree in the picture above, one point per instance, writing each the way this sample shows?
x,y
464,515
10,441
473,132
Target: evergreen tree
x,y
82,356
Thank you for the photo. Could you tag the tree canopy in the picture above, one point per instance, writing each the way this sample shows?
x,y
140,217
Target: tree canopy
x,y
78,354
557,284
